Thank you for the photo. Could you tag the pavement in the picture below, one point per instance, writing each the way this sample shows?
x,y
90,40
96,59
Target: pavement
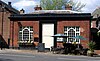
x,y
34,52
24,51
17,51
34,55
10,51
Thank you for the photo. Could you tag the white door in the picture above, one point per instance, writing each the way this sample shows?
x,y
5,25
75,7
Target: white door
x,y
47,32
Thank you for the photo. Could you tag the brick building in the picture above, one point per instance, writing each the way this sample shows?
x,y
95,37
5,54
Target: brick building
x,y
39,26
95,27
5,11
96,16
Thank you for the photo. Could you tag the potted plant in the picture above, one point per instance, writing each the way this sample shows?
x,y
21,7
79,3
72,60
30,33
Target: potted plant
x,y
91,45
98,33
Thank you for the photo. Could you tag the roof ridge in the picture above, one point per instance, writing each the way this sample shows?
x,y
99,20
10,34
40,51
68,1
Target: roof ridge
x,y
10,8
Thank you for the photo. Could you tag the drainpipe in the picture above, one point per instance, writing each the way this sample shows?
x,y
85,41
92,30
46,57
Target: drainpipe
x,y
13,34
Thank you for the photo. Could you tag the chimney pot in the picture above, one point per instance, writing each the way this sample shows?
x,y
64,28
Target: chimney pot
x,y
22,11
9,3
68,7
37,7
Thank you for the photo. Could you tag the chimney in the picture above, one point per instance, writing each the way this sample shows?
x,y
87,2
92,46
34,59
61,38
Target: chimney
x,y
37,7
9,3
68,7
22,11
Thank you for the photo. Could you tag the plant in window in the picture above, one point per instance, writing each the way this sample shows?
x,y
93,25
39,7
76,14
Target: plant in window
x,y
74,42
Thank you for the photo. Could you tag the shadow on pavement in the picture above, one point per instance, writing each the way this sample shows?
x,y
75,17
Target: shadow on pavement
x,y
1,59
96,56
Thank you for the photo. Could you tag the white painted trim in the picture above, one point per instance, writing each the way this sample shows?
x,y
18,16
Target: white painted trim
x,y
28,30
47,32
75,33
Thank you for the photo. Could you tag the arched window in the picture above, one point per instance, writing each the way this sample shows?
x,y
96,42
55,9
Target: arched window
x,y
72,31
26,34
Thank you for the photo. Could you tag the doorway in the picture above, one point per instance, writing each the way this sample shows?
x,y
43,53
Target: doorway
x,y
47,32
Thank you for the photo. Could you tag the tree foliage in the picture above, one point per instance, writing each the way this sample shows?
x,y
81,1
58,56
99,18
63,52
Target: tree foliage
x,y
60,4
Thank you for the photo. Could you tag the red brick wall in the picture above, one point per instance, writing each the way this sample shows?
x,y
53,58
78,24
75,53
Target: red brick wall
x,y
11,32
85,25
0,21
35,25
6,25
97,51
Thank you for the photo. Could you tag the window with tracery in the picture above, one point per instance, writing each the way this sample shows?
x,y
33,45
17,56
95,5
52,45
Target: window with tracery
x,y
72,31
26,34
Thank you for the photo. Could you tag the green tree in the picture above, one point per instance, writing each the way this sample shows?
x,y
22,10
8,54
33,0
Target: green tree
x,y
60,4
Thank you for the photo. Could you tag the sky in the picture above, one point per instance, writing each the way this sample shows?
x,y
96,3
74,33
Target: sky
x,y
28,5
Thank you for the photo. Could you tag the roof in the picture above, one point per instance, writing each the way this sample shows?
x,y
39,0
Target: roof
x,y
54,11
53,16
96,13
10,8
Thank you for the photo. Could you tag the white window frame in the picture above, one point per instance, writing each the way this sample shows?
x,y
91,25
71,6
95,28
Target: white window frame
x,y
68,29
30,31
